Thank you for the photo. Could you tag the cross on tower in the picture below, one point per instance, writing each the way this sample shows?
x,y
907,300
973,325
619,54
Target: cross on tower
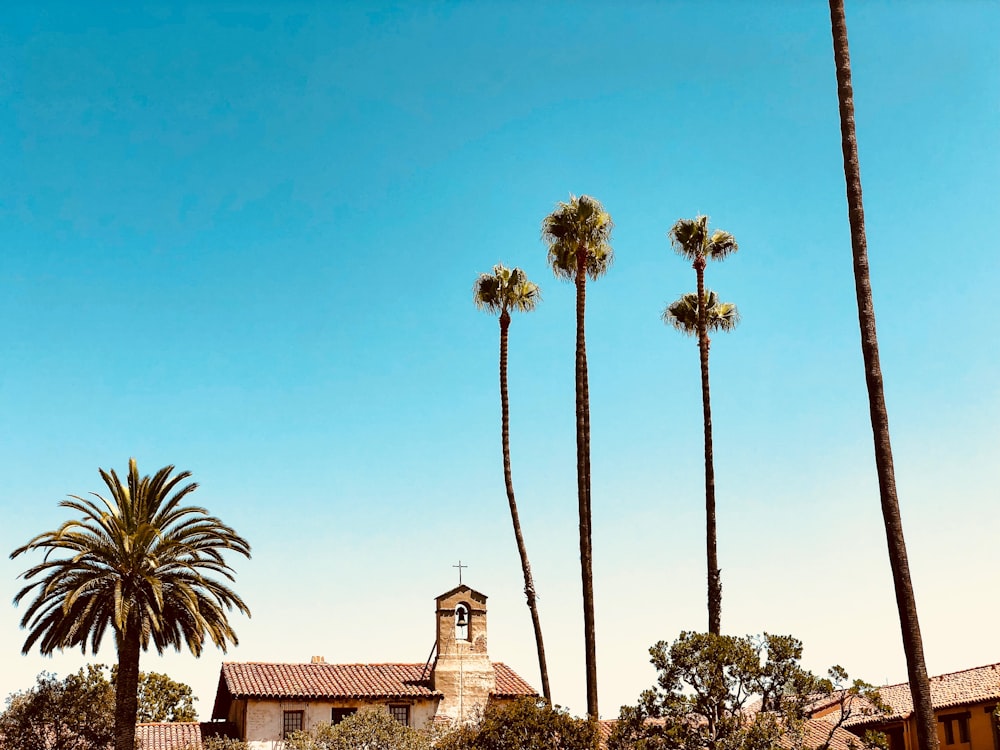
x,y
459,566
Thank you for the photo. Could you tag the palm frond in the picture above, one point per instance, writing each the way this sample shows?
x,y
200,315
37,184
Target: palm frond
x,y
579,225
682,314
690,238
134,559
504,290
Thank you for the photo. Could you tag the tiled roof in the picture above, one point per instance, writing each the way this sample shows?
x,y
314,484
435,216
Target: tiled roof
x,y
510,684
345,681
817,732
970,686
179,735
176,735
320,680
976,685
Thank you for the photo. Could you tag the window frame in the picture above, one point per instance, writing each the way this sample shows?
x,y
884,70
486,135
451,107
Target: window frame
x,y
395,709
286,715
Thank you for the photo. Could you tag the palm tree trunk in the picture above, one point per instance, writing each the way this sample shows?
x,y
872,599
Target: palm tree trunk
x,y
583,483
711,534
522,550
127,689
905,600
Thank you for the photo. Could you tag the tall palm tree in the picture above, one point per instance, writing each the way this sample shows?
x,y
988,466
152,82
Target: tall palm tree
x,y
138,563
905,600
578,234
691,239
500,292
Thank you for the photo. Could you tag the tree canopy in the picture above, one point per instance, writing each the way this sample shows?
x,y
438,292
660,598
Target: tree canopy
x,y
720,692
78,712
368,729
525,724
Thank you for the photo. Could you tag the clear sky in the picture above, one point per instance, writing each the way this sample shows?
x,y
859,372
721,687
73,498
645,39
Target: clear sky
x,y
242,238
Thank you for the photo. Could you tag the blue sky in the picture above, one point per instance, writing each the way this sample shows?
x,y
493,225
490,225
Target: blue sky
x,y
241,239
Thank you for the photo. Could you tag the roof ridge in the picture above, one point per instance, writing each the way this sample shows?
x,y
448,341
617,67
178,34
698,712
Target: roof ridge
x,y
943,675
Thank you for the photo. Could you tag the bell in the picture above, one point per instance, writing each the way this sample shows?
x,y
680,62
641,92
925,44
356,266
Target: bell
x,y
463,617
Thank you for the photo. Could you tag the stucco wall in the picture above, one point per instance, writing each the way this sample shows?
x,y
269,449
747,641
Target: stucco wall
x,y
264,718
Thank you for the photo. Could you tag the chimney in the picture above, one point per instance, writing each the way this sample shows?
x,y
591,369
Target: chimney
x,y
318,660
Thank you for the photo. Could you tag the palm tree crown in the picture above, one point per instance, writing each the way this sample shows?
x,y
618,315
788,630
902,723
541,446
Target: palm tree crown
x,y
580,222
691,239
682,314
137,560
504,290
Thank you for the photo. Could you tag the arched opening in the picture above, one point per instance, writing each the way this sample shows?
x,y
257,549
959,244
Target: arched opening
x,y
462,622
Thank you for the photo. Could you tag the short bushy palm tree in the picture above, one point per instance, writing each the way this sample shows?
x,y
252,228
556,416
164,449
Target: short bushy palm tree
x,y
692,239
139,564
906,603
500,292
578,236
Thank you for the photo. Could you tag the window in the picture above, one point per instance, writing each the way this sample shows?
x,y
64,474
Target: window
x,y
337,715
949,723
400,714
291,721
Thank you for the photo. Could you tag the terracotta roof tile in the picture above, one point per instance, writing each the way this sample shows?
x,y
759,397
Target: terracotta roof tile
x,y
263,680
355,681
168,736
976,685
510,684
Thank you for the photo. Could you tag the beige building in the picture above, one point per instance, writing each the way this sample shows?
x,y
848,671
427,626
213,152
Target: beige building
x,y
262,702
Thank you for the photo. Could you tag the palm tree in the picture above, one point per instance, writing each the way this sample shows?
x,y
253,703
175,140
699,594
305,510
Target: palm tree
x,y
691,239
905,600
137,563
500,292
578,234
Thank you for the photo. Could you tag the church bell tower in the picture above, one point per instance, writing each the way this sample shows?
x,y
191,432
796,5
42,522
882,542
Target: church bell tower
x,y
462,670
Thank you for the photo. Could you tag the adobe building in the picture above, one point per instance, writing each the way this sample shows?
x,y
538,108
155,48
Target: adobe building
x,y
263,703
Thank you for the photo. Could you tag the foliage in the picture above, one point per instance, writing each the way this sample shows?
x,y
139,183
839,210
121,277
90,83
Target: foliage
x,y
682,313
221,743
140,564
580,223
528,723
718,692
368,729
690,239
162,699
505,289
78,711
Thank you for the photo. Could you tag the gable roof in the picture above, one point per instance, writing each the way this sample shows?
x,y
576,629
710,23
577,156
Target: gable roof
x,y
341,681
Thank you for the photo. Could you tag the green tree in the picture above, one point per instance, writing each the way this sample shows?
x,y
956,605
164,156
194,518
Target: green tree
x,y
578,235
524,724
79,711
906,603
691,239
501,292
163,699
140,564
76,713
368,729
716,692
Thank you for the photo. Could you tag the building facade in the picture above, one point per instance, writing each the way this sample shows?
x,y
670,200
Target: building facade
x,y
265,702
